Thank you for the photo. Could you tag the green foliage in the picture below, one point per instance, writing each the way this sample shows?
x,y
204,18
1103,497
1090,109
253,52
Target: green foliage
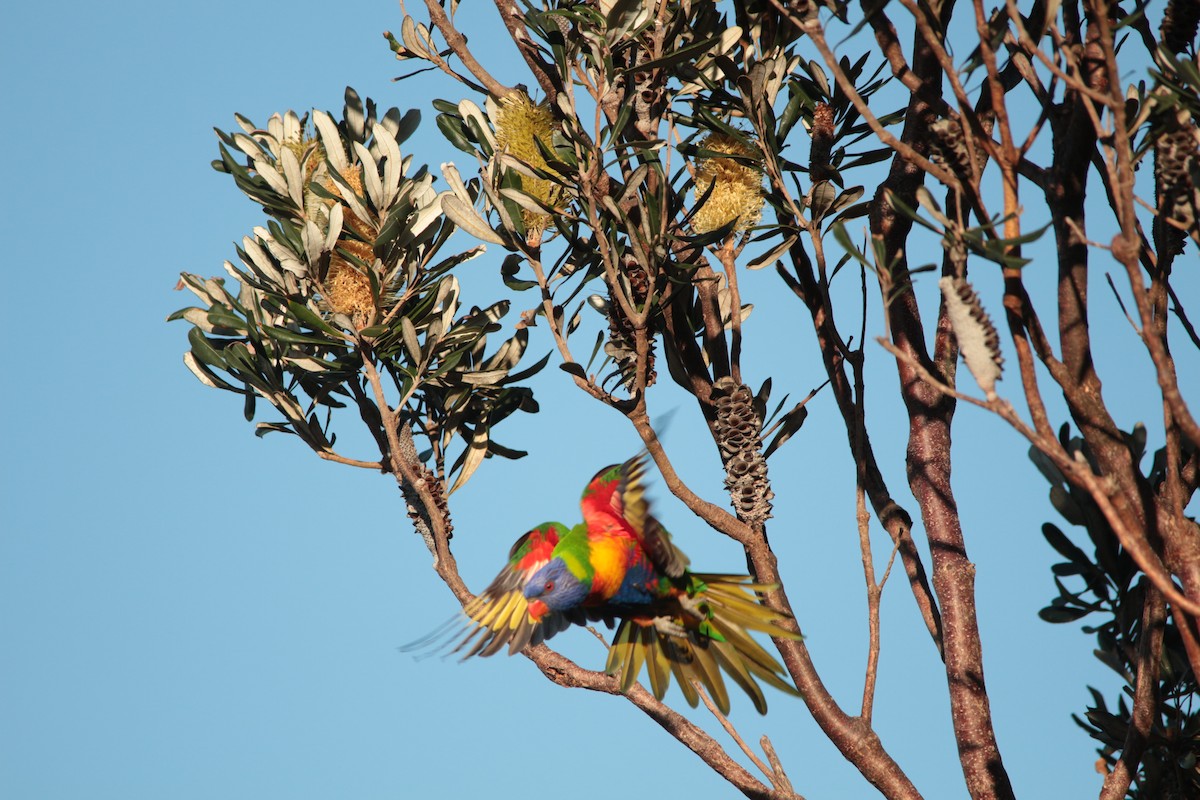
x,y
1110,593
344,279
619,208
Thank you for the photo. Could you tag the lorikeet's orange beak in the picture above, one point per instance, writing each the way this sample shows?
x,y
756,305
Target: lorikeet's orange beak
x,y
537,610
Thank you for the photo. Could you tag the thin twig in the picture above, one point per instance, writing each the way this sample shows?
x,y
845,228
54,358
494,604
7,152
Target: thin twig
x,y
1187,632
458,43
717,517
1182,316
564,672
329,455
732,731
780,778
1078,473
1121,303
514,21
873,593
834,354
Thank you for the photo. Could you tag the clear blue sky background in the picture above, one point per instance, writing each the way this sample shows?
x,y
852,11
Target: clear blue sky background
x,y
187,611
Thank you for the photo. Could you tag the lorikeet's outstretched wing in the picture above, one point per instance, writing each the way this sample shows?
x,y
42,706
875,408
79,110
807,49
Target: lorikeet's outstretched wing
x,y
621,563
616,495
712,620
500,616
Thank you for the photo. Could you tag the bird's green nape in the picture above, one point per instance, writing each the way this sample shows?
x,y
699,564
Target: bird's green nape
x,y
575,552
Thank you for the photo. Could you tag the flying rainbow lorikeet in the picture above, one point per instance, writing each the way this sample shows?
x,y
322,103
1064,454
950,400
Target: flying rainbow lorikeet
x,y
620,564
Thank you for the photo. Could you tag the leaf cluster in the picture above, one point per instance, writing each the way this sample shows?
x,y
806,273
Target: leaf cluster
x,y
346,277
1107,591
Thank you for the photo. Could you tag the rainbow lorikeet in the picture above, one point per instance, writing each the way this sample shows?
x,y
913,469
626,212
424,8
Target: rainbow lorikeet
x,y
620,564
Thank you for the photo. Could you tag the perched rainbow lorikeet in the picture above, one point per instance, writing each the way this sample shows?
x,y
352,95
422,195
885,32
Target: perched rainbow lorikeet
x,y
620,564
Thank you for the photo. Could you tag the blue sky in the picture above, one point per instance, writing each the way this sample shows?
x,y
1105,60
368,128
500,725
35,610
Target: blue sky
x,y
188,611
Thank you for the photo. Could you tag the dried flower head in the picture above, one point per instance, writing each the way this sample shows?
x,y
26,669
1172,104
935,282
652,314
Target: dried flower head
x,y
1180,21
622,339
822,141
520,124
977,338
736,186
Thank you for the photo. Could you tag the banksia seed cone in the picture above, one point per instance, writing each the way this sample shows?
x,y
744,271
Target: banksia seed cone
x,y
415,505
822,142
621,345
1175,163
739,438
946,146
520,124
1180,21
737,193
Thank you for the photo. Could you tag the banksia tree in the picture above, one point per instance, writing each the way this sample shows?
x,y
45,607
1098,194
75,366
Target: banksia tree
x,y
675,148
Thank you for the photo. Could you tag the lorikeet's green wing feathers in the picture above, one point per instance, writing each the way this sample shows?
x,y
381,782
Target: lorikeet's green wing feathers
x,y
705,637
620,491
499,616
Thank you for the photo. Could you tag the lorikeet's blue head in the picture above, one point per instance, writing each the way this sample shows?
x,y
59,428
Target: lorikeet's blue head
x,y
554,588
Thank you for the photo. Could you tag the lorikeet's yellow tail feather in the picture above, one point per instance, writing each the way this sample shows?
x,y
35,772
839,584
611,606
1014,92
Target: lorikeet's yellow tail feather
x,y
705,636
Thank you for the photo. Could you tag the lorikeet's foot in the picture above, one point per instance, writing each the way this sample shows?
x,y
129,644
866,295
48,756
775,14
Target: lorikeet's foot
x,y
694,607
667,626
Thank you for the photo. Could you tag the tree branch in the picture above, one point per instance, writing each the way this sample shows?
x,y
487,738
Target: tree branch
x,y
1145,698
514,22
458,44
894,518
565,672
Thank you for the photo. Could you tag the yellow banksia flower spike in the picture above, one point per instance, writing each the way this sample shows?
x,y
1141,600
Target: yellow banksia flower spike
x,y
520,124
737,194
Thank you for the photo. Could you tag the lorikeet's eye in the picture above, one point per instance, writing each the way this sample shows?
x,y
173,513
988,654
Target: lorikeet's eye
x,y
549,587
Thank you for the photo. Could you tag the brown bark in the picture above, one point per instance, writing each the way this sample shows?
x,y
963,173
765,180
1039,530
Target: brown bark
x,y
930,415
